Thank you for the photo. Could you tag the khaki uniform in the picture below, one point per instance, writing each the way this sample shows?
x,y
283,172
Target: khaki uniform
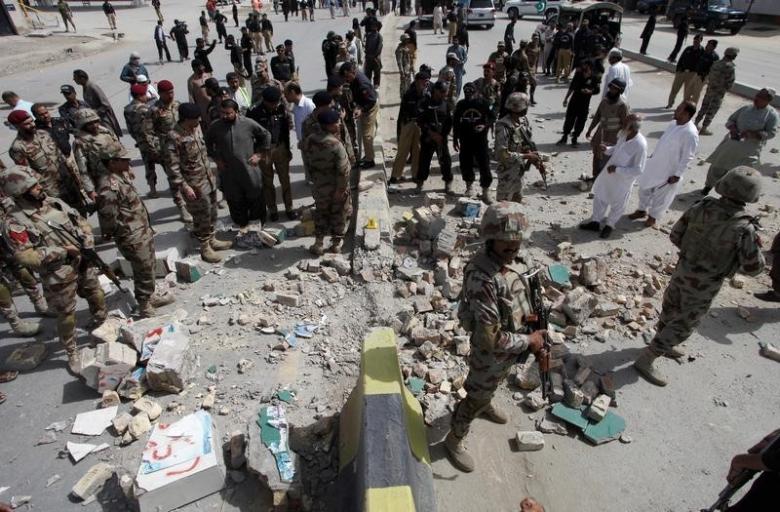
x,y
403,57
86,151
139,124
329,169
719,82
511,141
43,156
164,118
610,117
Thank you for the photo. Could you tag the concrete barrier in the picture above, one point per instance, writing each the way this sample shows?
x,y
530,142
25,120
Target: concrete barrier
x,y
739,88
384,464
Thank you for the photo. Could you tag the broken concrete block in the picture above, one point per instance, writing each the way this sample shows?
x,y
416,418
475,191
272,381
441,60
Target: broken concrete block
x,y
607,385
440,273
590,391
435,199
188,271
110,399
446,243
139,425
420,335
529,441
769,351
114,362
372,239
27,357
534,401
152,409
462,345
572,396
292,300
313,266
451,289
260,462
172,361
121,422
329,275
468,207
422,305
527,376
436,376
108,331
133,385
92,481
579,305
428,225
208,401
445,387
606,309
546,426
593,272
556,384
598,409
426,350
582,375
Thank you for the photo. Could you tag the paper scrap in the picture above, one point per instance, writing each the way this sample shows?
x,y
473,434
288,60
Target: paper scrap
x,y
79,450
93,423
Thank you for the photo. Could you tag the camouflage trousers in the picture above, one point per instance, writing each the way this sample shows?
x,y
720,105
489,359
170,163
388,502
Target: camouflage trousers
x,y
139,252
709,106
510,184
150,169
487,369
8,278
204,215
687,299
278,163
62,300
406,81
330,216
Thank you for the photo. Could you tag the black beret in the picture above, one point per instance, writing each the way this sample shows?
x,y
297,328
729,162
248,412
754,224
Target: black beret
x,y
189,111
322,98
272,94
328,117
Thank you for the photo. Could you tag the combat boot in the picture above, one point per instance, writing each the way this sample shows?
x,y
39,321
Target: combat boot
x,y
486,197
153,192
491,413
448,188
220,245
675,352
145,309
317,248
159,300
184,215
207,254
21,327
74,362
644,365
335,245
456,452
469,190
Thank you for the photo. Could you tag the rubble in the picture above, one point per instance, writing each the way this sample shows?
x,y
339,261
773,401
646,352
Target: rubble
x,y
172,361
547,426
138,426
527,376
598,409
579,305
534,401
92,481
769,351
121,422
292,300
529,441
188,271
27,357
108,331
146,405
110,398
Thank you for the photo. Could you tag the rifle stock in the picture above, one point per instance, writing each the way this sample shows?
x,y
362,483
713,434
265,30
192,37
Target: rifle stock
x,y
537,321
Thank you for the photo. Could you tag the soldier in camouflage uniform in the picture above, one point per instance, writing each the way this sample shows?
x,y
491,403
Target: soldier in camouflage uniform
x,y
519,62
403,57
342,98
191,174
322,103
719,81
329,170
515,150
139,124
499,59
164,113
493,307
716,238
488,87
447,76
39,247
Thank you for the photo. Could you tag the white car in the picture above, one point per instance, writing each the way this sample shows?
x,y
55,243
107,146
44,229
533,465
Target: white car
x,y
520,8
480,12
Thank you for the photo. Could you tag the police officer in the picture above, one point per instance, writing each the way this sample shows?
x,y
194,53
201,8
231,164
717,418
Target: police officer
x,y
471,121
40,231
492,309
515,150
716,238
435,122
409,131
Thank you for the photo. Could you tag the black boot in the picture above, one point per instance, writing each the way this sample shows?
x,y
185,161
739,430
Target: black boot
x,y
590,226
574,142
562,141
605,232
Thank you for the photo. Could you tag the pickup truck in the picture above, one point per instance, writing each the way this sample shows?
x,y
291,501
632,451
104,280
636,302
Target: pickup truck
x,y
710,15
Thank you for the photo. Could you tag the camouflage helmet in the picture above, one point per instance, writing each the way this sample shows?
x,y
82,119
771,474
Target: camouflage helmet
x,y
85,116
517,102
741,183
17,180
503,221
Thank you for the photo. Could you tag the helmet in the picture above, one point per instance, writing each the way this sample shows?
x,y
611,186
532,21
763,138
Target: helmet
x,y
503,221
517,102
85,116
17,180
741,183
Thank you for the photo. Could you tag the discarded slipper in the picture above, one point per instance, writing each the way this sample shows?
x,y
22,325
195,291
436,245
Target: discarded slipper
x,y
8,376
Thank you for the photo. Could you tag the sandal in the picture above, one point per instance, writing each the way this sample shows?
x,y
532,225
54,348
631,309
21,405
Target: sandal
x,y
2,397
8,376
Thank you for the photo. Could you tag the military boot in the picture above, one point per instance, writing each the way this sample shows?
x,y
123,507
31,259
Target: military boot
x,y
448,188
644,365
486,197
675,352
74,361
20,327
160,299
207,253
335,245
492,413
184,215
456,452
41,307
317,248
469,190
145,309
153,192
220,245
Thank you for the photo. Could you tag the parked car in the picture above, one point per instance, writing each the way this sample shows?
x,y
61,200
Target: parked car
x,y
480,12
644,6
597,13
520,8
709,14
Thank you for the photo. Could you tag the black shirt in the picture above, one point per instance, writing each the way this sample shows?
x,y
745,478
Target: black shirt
x,y
434,117
705,63
363,92
509,33
580,82
282,70
410,105
276,121
581,38
689,60
469,114
202,54
266,25
59,131
562,40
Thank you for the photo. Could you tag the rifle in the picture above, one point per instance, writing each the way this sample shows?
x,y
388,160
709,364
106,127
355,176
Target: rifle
x,y
536,321
90,255
540,165
730,490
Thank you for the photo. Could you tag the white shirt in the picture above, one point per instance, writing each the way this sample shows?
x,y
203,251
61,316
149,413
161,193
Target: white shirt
x,y
151,93
621,71
23,105
628,157
438,14
301,111
675,150
241,96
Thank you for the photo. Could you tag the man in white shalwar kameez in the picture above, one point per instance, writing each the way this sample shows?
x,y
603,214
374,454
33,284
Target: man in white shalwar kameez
x,y
659,182
617,69
612,187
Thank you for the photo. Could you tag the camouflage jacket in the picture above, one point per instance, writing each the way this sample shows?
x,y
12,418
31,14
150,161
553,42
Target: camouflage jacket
x,y
188,161
164,118
722,75
311,126
489,90
141,128
499,60
86,149
329,166
42,154
258,86
493,304
717,239
512,141
38,247
403,57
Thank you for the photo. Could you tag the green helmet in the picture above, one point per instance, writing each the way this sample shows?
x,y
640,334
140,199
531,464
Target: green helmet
x,y
85,116
503,221
741,183
517,102
17,180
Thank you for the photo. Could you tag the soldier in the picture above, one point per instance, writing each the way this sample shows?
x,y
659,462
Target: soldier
x,y
515,149
608,120
516,81
447,77
488,88
57,127
716,238
499,59
322,103
139,125
343,104
191,175
260,81
472,120
493,306
719,82
164,113
272,115
329,170
520,62
435,121
403,57
72,105
34,232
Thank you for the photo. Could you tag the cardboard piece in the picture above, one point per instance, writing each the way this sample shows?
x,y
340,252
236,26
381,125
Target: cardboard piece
x,y
180,464
605,430
93,423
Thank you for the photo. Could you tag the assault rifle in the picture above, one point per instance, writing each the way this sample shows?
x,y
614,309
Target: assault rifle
x,y
538,320
540,165
90,255
730,490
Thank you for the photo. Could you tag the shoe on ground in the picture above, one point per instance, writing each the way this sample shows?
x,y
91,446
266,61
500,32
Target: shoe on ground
x,y
317,248
97,320
291,215
274,216
606,232
768,296
208,254
574,143
457,453
704,131
74,363
492,413
650,222
160,299
367,164
153,194
220,245
639,214
335,245
669,105
644,365
486,197
469,190
448,188
590,226
705,191
418,189
394,181
25,329
562,141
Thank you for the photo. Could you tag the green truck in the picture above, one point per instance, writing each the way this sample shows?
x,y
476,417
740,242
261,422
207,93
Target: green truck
x,y
710,15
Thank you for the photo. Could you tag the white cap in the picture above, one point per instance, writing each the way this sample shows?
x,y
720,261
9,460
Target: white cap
x,y
141,78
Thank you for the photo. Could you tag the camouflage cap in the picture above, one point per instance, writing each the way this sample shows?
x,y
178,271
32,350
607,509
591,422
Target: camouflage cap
x,y
741,183
517,102
113,151
17,180
503,221
85,116
731,52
